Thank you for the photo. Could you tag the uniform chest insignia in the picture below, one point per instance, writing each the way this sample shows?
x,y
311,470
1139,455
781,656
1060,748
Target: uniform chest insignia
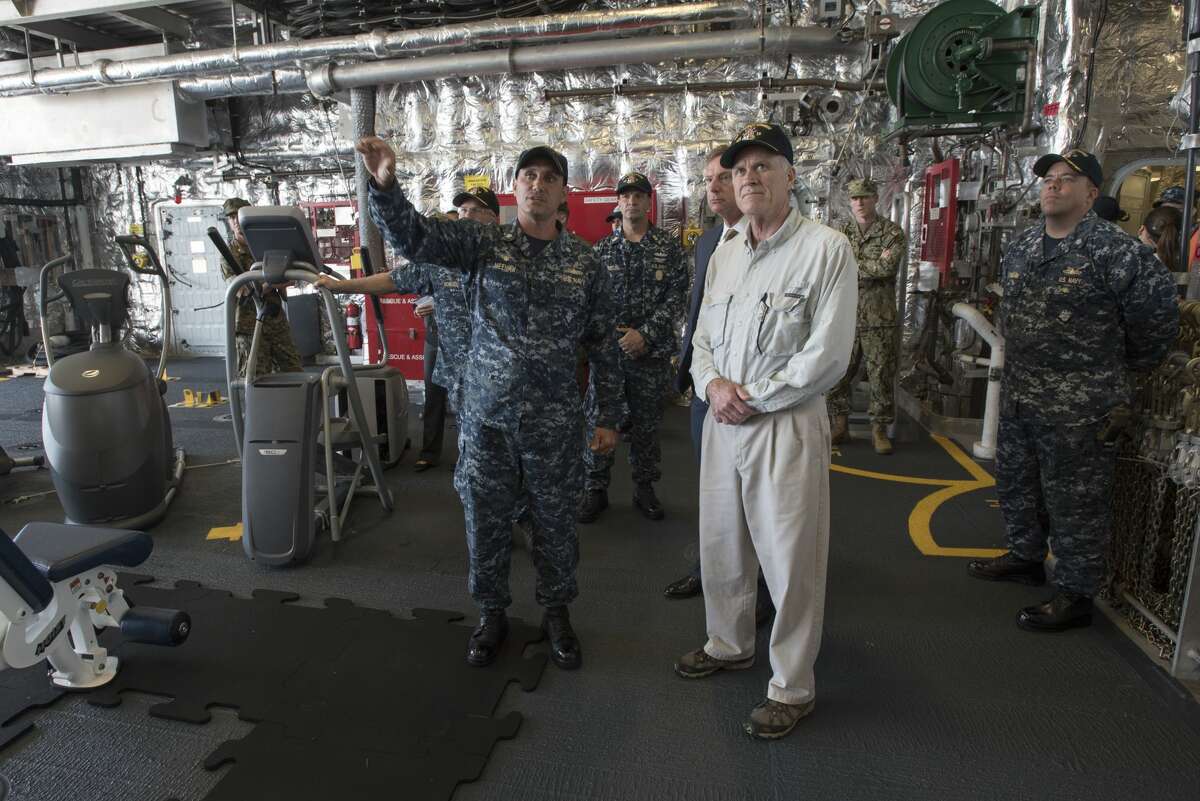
x,y
658,275
1064,315
1013,276
1072,271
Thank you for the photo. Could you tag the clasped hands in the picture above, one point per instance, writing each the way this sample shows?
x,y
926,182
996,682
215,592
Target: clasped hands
x,y
727,402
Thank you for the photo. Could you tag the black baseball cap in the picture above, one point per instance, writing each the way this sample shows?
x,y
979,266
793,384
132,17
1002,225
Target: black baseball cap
x,y
1080,161
482,194
633,180
615,214
1109,208
547,153
759,134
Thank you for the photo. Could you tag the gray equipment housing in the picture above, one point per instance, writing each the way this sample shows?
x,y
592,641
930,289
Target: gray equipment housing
x,y
105,427
286,420
279,464
384,395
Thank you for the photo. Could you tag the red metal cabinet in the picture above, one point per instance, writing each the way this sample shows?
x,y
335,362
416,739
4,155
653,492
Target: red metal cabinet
x,y
940,216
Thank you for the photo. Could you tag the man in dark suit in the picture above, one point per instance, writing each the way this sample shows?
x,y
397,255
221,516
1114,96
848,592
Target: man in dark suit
x,y
718,186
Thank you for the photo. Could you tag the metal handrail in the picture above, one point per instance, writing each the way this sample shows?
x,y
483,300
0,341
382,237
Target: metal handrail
x,y
43,302
301,273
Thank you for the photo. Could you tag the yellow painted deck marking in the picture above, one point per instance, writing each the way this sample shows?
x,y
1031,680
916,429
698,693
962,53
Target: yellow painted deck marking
x,y
232,533
854,471
919,521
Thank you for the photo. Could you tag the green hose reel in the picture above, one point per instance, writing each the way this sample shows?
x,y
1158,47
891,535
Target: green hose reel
x,y
966,61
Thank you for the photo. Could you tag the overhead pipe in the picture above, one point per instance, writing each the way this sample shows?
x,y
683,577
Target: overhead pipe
x,y
373,45
766,84
331,78
362,114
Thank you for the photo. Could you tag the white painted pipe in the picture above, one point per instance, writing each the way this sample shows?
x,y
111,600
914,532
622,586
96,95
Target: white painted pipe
x,y
986,447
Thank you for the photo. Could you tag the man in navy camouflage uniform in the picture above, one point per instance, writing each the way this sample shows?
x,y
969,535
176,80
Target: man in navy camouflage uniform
x,y
648,279
447,328
1083,306
536,294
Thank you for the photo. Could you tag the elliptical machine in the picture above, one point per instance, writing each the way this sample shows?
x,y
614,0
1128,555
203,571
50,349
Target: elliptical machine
x,y
105,426
287,419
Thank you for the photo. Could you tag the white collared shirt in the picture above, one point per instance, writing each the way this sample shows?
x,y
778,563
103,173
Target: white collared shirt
x,y
778,318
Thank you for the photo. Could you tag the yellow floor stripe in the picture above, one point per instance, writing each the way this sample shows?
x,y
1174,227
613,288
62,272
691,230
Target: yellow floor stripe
x,y
920,521
964,461
931,482
231,533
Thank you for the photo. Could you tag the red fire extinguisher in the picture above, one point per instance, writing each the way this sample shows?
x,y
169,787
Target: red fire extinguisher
x,y
353,326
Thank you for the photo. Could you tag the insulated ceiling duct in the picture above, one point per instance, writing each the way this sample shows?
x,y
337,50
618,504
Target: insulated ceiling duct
x,y
308,19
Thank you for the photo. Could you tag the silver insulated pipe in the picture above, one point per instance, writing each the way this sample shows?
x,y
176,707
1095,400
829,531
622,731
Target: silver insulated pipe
x,y
373,45
362,111
327,79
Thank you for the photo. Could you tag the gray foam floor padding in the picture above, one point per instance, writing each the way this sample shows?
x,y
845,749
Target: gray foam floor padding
x,y
926,689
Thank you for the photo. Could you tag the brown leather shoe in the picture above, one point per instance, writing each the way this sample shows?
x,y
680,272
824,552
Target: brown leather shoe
x,y
771,720
839,431
883,445
698,664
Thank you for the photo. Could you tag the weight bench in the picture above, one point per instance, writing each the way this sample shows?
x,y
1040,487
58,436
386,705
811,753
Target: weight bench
x,y
57,587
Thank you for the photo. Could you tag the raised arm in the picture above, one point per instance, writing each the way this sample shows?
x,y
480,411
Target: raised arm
x,y
457,244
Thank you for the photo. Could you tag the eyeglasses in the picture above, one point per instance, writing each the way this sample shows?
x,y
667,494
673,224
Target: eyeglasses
x,y
1061,180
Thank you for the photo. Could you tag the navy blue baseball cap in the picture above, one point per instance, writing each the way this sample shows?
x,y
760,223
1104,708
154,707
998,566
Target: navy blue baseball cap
x,y
1080,161
1174,194
481,194
544,152
633,180
759,134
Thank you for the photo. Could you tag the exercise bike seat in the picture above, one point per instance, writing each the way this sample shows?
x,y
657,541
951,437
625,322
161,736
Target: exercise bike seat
x,y
60,551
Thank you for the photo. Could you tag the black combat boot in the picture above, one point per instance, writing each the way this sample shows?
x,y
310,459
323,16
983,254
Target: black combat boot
x,y
595,502
1007,567
485,642
564,645
1066,610
645,500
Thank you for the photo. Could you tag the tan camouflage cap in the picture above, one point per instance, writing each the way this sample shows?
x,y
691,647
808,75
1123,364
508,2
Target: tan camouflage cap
x,y
862,187
231,206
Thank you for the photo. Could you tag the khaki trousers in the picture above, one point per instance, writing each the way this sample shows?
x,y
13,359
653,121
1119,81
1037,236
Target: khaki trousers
x,y
764,499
